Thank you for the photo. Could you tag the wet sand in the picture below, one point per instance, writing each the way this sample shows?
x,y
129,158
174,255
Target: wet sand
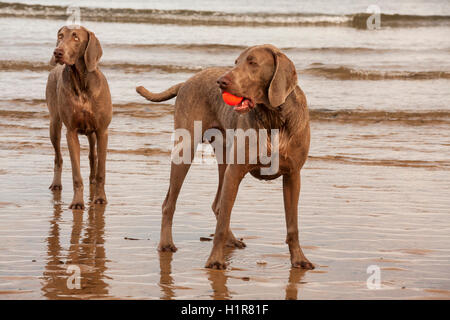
x,y
353,214
375,189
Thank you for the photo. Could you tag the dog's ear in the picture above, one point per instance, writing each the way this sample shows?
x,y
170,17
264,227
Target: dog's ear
x,y
93,52
283,81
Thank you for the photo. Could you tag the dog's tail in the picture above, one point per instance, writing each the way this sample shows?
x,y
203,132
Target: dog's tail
x,y
162,96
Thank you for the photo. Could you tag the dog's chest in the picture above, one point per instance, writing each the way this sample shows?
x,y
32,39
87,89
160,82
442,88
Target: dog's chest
x,y
82,116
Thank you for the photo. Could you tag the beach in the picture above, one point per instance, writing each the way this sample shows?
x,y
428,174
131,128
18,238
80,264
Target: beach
x,y
375,188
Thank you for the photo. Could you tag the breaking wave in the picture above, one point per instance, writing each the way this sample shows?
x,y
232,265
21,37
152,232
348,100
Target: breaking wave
x,y
192,17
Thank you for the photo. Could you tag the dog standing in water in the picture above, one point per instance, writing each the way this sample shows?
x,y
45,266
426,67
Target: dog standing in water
x,y
78,95
266,80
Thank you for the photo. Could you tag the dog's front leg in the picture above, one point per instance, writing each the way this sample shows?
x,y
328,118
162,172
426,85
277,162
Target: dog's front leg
x,y
92,157
233,177
102,145
231,242
291,193
55,137
74,150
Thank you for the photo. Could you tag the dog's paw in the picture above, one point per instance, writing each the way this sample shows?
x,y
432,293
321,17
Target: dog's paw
x,y
55,186
215,264
168,247
303,264
215,261
235,243
100,200
77,205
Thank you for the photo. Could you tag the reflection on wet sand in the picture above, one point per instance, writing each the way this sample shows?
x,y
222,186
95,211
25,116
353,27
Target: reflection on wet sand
x,y
295,277
218,281
86,252
166,281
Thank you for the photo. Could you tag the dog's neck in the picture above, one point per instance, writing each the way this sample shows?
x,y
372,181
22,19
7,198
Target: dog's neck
x,y
282,118
268,118
78,76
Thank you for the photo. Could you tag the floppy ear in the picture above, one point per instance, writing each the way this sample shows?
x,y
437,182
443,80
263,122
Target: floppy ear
x,y
93,52
283,81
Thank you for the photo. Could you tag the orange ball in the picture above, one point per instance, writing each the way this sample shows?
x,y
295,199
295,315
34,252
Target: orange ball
x,y
231,99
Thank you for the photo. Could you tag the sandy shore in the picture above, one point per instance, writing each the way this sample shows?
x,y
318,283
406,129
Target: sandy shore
x,y
353,214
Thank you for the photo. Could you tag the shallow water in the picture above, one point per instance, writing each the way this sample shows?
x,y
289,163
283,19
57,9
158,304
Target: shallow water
x,y
374,189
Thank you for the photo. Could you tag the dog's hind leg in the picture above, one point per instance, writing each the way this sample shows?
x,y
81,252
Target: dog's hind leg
x,y
177,174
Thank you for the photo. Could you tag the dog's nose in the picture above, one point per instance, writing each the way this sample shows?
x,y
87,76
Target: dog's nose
x,y
58,53
223,82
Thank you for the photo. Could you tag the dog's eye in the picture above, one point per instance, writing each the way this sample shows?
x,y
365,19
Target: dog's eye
x,y
251,61
60,36
75,37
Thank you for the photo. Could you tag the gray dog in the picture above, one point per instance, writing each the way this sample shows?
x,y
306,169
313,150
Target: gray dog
x,y
267,81
78,95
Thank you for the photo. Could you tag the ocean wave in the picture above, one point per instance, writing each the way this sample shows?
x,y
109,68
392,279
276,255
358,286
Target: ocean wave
x,y
316,69
431,117
222,47
348,73
15,65
166,68
445,165
37,66
152,110
174,46
192,17
215,47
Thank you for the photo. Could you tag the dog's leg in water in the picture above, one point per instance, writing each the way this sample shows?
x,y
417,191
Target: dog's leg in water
x,y
55,137
231,239
233,177
291,193
92,157
74,149
177,174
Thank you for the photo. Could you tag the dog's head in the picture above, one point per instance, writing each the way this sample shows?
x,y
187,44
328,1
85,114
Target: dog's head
x,y
262,74
76,43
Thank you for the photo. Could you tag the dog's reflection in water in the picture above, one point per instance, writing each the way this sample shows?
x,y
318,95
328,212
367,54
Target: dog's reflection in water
x,y
166,281
86,253
295,279
79,270
218,280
